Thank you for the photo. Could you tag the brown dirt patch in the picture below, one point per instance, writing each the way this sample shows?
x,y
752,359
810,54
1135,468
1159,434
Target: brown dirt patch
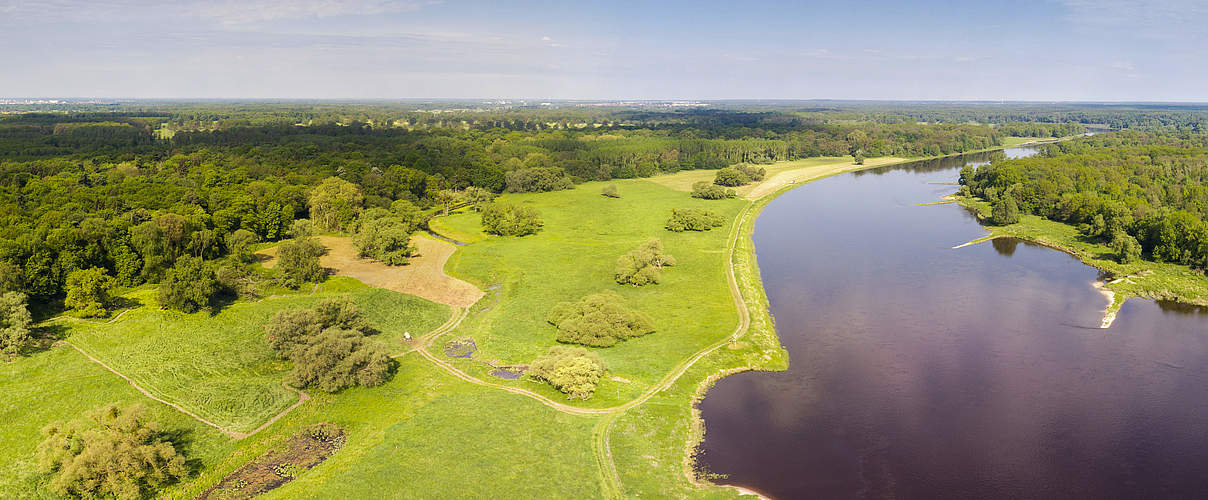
x,y
424,276
276,467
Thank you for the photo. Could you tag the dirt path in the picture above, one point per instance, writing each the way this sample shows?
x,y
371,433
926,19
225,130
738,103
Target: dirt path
x,y
136,387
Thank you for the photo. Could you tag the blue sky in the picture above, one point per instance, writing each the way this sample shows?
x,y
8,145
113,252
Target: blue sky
x,y
1025,50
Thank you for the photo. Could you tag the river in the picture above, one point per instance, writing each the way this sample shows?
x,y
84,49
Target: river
x,y
920,371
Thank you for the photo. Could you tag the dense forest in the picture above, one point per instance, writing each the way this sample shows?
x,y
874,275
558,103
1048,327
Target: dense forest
x,y
127,191
1144,193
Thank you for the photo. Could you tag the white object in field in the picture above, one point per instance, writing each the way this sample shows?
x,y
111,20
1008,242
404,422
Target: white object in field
x,y
407,336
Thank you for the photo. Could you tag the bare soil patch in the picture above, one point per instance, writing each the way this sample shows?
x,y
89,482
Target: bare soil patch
x,y
424,276
278,466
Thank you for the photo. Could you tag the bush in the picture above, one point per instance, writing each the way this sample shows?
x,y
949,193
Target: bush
x,y
508,219
88,292
731,176
692,219
298,262
610,191
707,191
189,286
115,453
572,370
15,322
642,265
598,320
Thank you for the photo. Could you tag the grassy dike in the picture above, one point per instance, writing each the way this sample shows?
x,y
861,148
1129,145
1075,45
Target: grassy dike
x,y
1144,278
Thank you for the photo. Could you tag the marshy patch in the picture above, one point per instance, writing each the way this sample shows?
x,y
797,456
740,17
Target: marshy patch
x,y
280,465
463,348
508,372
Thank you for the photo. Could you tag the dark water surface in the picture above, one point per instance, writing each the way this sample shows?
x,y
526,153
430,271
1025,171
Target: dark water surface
x,y
919,371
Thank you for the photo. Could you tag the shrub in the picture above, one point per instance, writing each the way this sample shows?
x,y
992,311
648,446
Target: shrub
x,y
572,370
610,191
1127,248
298,262
598,320
641,266
509,219
15,322
88,292
707,191
692,219
731,176
189,286
114,453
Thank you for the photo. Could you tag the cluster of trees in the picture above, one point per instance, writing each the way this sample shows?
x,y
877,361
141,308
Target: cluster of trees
x,y
598,320
642,265
328,347
510,219
739,175
385,235
710,191
1143,194
572,370
693,219
1039,129
113,453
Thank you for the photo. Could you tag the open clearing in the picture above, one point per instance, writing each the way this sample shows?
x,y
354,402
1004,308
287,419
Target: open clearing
x,y
424,276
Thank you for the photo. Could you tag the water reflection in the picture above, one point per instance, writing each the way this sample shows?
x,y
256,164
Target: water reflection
x,y
919,371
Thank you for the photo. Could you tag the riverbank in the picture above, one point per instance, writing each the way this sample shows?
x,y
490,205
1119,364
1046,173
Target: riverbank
x,y
1144,278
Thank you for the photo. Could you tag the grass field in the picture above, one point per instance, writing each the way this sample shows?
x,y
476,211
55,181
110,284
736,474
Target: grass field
x,y
575,255
219,366
1143,278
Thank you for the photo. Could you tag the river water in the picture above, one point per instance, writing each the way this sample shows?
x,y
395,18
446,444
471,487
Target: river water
x,y
920,371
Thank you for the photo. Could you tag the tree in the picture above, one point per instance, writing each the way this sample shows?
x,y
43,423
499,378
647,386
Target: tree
x,y
477,197
114,453
598,320
1126,247
857,143
731,176
447,197
572,370
642,265
15,322
189,286
708,191
334,204
509,219
88,292
301,228
692,219
1004,210
239,245
610,191
336,359
298,262
385,235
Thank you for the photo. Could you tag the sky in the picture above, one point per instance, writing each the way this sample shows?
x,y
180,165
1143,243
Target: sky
x,y
1038,50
